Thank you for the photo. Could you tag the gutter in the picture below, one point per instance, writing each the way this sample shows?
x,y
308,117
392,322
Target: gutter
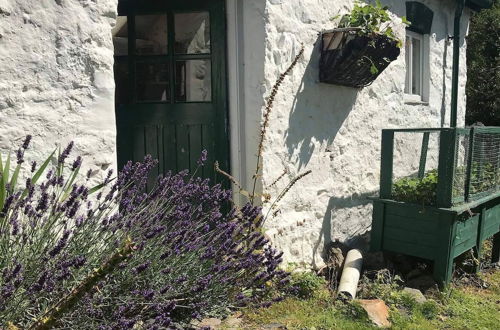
x,y
456,62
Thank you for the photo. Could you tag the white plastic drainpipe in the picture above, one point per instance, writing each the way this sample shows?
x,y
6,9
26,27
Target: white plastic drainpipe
x,y
350,275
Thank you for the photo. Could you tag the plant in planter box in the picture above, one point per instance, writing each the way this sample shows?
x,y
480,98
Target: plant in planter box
x,y
361,48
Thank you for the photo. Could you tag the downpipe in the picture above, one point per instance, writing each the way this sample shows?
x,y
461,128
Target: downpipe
x,y
456,62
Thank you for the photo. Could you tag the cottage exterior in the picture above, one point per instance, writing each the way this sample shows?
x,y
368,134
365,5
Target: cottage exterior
x,y
195,74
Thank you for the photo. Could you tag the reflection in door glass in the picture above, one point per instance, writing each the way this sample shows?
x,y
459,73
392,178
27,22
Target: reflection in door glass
x,y
193,81
151,34
120,36
152,82
192,33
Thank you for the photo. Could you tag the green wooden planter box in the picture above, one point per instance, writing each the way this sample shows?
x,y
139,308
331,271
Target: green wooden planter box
x,y
445,231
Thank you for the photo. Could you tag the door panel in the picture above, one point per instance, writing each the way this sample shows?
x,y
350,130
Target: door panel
x,y
171,83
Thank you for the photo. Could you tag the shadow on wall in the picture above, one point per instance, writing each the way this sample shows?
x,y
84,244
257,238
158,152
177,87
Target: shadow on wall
x,y
318,112
359,237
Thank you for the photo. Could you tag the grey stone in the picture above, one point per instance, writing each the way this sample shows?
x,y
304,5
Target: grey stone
x,y
416,294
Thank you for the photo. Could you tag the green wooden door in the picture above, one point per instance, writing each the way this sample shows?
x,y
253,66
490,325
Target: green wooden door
x,y
170,74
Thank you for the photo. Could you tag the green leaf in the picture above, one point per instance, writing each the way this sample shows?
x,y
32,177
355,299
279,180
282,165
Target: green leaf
x,y
42,168
405,21
373,69
96,188
13,181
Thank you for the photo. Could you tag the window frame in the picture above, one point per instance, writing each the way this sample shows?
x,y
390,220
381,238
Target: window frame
x,y
424,51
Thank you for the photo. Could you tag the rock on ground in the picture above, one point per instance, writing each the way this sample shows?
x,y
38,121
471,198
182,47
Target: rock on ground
x,y
377,311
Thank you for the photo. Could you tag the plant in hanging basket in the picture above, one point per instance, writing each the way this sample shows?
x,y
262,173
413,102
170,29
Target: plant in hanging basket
x,y
361,48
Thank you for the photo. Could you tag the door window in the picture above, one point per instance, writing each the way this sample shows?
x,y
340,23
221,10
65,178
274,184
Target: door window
x,y
151,35
192,33
156,71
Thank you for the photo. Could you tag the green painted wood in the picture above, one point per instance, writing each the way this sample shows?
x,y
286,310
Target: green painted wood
x,y
151,137
195,146
443,259
183,129
491,222
411,224
404,247
420,238
386,165
209,144
423,155
446,166
182,151
376,237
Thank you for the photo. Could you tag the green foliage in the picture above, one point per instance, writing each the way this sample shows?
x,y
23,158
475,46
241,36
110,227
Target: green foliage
x,y
415,190
429,309
306,284
456,308
372,19
483,72
484,177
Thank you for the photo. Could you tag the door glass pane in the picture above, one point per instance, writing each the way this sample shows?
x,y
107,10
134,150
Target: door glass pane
x,y
152,82
151,34
416,67
408,64
122,82
120,36
192,33
193,82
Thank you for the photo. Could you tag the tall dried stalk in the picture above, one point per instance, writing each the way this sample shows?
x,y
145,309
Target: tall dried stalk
x,y
263,131
267,115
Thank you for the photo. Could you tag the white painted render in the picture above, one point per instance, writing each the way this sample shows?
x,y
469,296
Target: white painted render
x,y
331,130
56,77
56,82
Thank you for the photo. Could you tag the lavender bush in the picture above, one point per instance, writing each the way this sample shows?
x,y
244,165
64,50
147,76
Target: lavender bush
x,y
115,256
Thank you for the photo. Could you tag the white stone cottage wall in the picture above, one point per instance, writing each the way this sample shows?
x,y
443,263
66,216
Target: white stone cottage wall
x,y
56,77
56,83
336,131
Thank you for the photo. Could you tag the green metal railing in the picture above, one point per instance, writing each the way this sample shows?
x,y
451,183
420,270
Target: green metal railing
x,y
468,165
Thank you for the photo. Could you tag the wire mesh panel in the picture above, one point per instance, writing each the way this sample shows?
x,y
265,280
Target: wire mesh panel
x,y
440,167
461,162
415,163
485,163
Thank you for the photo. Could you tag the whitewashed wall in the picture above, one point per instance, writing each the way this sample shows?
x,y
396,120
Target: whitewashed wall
x,y
335,131
56,83
56,76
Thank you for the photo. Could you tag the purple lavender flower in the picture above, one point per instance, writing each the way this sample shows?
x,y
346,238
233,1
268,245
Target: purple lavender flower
x,y
33,166
142,267
203,158
26,142
77,163
60,244
20,156
65,153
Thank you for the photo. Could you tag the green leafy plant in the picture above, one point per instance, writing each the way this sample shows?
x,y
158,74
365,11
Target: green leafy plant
x,y
484,178
372,19
415,190
305,284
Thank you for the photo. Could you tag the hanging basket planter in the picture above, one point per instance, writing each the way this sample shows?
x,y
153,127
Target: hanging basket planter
x,y
354,60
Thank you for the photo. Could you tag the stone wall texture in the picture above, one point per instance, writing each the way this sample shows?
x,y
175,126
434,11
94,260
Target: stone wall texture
x,y
56,83
335,131
56,77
